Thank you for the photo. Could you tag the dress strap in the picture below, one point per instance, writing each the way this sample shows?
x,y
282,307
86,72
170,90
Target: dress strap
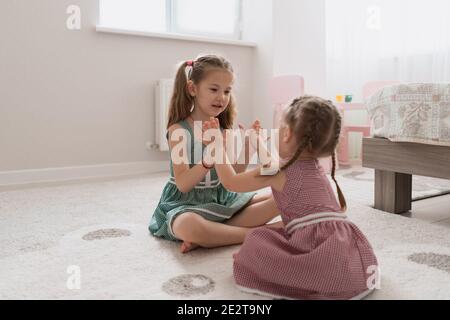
x,y
184,123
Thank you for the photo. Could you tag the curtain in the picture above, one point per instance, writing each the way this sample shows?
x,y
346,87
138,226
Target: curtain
x,y
371,40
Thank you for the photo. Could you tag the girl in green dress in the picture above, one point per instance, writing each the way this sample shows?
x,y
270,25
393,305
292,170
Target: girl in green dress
x,y
195,208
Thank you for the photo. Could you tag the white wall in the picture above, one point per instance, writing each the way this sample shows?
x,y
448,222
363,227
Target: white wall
x,y
81,98
258,27
300,42
291,40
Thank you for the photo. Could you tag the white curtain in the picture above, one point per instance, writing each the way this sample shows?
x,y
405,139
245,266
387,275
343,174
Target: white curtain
x,y
371,40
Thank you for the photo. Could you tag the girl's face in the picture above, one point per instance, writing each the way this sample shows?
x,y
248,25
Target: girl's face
x,y
213,93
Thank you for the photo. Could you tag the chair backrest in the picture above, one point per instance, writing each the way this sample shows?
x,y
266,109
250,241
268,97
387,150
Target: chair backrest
x,y
283,89
373,86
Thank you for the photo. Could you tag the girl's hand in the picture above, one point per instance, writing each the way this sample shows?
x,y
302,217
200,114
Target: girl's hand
x,y
211,124
256,126
253,137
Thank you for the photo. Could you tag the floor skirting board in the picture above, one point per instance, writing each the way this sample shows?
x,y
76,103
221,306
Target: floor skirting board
x,y
49,175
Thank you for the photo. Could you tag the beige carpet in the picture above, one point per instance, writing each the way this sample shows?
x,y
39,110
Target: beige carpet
x,y
99,229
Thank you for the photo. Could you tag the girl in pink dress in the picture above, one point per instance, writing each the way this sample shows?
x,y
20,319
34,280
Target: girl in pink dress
x,y
315,252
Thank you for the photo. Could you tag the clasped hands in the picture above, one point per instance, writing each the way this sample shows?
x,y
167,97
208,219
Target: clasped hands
x,y
252,138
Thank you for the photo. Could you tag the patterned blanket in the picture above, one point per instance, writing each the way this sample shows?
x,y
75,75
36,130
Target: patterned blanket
x,y
417,113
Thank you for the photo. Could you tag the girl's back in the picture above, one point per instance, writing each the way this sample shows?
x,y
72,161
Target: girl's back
x,y
307,190
318,254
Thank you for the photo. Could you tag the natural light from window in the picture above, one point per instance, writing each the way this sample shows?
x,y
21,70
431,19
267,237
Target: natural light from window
x,y
206,16
213,18
134,14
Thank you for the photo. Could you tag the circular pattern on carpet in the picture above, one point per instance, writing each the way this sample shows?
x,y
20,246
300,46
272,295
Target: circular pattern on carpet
x,y
188,285
105,234
433,260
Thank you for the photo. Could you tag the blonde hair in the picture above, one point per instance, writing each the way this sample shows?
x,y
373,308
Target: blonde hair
x,y
316,124
181,101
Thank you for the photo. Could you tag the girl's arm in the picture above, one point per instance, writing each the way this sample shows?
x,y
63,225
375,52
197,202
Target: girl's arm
x,y
244,158
247,181
185,178
250,147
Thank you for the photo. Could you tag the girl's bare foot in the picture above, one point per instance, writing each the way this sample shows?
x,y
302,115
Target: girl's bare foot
x,y
188,246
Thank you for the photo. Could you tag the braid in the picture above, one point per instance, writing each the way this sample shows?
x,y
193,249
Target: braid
x,y
333,144
317,126
294,158
342,201
304,130
337,128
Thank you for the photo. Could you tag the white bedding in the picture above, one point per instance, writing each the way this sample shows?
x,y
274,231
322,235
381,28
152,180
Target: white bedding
x,y
418,113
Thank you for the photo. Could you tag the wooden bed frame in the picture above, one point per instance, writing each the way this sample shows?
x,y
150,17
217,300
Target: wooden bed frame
x,y
395,163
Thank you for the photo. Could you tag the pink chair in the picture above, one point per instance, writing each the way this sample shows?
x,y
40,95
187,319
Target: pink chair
x,y
368,89
282,90
364,129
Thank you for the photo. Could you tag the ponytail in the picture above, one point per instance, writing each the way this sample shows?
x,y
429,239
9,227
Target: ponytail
x,y
181,101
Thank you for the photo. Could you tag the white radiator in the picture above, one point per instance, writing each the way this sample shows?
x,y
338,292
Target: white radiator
x,y
163,93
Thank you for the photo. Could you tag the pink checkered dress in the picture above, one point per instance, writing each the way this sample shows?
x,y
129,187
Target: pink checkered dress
x,y
319,254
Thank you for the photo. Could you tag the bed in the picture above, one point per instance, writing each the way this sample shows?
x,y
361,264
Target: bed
x,y
411,136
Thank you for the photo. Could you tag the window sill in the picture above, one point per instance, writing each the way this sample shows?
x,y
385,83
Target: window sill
x,y
175,36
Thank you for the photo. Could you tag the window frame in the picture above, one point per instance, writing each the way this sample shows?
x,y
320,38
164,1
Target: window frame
x,y
172,29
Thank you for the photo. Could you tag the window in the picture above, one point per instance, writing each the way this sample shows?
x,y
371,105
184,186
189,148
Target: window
x,y
212,18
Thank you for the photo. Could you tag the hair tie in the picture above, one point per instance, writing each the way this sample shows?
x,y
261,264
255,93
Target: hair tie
x,y
189,68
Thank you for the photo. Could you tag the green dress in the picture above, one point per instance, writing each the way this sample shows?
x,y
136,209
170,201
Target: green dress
x,y
208,198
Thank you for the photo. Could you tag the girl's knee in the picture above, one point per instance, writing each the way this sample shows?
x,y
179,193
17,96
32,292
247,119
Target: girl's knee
x,y
188,226
259,198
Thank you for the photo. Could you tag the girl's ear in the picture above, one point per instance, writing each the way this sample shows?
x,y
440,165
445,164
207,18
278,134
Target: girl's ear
x,y
287,134
192,89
